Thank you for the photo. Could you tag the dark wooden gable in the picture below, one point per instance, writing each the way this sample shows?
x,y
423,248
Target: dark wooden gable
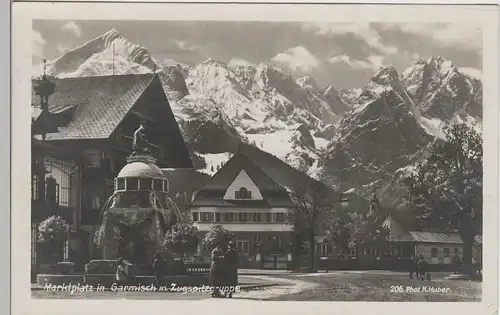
x,y
162,129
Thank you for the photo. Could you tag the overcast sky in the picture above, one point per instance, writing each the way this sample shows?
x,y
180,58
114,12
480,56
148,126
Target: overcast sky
x,y
345,55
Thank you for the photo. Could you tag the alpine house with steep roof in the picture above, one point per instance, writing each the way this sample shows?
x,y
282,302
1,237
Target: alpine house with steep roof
x,y
406,238
246,201
96,118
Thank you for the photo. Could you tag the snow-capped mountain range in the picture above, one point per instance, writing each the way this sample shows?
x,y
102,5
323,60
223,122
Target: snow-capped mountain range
x,y
349,138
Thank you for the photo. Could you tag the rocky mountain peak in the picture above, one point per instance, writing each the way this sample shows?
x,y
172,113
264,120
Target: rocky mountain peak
x,y
348,138
240,63
387,75
101,55
350,96
111,35
335,100
308,83
440,90
214,62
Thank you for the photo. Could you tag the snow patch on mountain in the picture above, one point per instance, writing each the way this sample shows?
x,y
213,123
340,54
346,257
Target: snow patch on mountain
x,y
321,143
214,161
433,126
350,96
103,64
308,83
349,138
262,103
99,53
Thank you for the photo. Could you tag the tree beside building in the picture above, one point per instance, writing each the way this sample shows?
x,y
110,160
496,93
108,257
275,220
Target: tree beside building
x,y
447,187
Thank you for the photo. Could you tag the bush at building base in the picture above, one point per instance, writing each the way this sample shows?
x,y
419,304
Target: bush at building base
x,y
52,232
181,239
218,235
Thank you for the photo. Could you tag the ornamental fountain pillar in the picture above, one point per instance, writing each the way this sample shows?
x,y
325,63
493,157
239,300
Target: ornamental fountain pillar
x,y
136,217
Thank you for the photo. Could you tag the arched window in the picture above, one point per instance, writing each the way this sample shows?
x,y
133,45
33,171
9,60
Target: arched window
x,y
243,193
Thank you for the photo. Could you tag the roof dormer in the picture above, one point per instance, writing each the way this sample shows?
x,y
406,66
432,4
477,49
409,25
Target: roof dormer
x,y
243,188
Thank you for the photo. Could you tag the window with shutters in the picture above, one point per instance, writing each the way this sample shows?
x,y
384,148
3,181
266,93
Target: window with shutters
x,y
257,217
280,217
243,193
206,216
242,217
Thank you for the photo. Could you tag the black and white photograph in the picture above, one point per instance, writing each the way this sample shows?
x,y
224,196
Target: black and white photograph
x,y
258,160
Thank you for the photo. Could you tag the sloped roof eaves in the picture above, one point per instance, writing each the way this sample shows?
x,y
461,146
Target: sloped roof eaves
x,y
229,171
429,237
218,202
402,238
99,120
113,115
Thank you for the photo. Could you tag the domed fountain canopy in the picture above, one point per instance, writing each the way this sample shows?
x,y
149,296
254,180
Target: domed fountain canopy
x,y
141,167
141,174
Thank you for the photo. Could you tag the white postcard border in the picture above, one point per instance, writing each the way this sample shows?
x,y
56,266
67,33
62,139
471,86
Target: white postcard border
x,y
24,13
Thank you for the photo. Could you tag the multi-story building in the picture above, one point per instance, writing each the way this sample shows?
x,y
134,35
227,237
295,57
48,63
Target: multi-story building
x,y
96,118
246,201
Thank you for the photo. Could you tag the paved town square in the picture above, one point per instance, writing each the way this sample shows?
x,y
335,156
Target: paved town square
x,y
332,286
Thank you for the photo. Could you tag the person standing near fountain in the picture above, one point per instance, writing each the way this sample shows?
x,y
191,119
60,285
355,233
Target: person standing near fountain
x,y
121,273
159,269
217,270
231,269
